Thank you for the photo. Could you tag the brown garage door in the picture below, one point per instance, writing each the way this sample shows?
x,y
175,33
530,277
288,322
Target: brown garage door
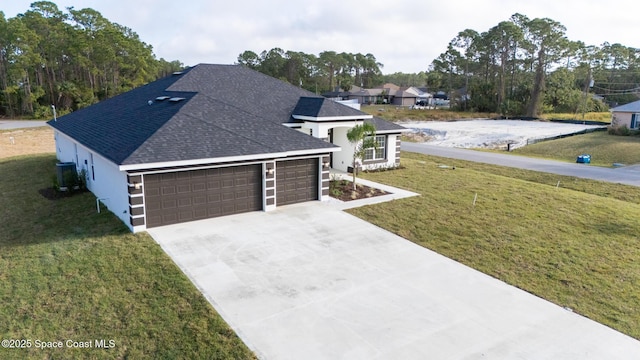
x,y
296,181
199,194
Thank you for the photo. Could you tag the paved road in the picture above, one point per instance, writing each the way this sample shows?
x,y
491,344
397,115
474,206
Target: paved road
x,y
623,175
20,124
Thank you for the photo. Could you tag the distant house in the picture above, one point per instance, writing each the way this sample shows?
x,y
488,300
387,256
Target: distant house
x,y
626,115
207,142
384,94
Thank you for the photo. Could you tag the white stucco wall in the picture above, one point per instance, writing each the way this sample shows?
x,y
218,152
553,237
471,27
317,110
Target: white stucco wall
x,y
107,183
343,158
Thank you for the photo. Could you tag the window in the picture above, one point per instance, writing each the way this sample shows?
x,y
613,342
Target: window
x,y
635,121
380,151
93,172
75,150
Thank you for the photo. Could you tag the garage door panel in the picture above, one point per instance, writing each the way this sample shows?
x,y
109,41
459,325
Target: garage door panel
x,y
168,204
170,177
151,191
168,190
296,181
200,194
199,186
214,184
184,202
185,215
183,188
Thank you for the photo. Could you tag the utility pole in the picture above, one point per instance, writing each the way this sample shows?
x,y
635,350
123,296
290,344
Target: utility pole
x,y
587,85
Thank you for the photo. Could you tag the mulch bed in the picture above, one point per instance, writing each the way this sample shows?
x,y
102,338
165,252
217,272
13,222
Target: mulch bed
x,y
343,190
53,194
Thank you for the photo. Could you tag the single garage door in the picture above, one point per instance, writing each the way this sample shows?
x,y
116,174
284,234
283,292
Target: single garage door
x,y
296,181
200,194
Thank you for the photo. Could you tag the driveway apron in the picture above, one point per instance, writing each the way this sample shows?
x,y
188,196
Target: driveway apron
x,y
309,281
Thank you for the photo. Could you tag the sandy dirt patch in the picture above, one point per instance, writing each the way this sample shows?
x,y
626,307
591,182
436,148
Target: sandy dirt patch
x,y
26,141
491,134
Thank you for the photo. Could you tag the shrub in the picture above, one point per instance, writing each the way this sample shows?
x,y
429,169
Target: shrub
x,y
619,130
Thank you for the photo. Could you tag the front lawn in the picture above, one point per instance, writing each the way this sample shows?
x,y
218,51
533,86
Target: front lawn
x,y
70,274
575,244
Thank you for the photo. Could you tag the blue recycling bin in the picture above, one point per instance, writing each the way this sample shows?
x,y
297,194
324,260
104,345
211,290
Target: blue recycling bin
x,y
584,159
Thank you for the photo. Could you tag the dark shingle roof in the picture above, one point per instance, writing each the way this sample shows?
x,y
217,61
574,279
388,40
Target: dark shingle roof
x,y
227,111
321,107
386,126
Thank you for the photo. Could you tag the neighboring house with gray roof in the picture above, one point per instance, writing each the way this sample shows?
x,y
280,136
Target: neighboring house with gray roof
x,y
210,141
627,115
387,94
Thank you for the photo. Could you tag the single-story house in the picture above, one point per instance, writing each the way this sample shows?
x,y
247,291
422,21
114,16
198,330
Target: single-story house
x,y
386,93
210,141
628,114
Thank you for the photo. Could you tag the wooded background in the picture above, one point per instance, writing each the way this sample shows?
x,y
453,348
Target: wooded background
x,y
69,59
520,66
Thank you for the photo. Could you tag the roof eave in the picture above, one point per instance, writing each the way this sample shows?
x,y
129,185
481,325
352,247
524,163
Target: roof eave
x,y
163,164
331,118
396,131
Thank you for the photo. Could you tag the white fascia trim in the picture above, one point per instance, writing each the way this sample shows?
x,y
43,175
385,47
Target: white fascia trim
x,y
331,118
226,159
293,125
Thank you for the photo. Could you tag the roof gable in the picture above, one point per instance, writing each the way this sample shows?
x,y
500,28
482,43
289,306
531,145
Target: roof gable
x,y
314,107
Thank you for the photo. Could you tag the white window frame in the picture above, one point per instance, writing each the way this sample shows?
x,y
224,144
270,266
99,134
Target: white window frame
x,y
380,152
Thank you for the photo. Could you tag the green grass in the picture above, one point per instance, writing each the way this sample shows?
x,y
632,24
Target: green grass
x,y
69,273
605,149
403,113
576,245
593,116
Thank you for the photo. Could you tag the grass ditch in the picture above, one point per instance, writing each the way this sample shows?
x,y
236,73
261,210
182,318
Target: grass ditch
x,y
69,273
575,245
605,149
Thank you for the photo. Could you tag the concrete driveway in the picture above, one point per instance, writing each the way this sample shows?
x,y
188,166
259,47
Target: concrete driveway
x,y
309,281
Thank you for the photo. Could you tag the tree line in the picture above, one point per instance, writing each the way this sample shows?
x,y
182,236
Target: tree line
x,y
529,66
521,66
327,71
70,60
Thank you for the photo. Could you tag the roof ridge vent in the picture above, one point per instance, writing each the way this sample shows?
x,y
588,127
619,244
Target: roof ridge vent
x,y
176,99
162,98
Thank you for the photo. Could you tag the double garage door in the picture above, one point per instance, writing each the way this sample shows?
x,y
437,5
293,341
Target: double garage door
x,y
182,196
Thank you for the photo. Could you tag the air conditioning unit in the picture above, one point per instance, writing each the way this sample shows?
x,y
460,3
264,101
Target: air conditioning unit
x,y
67,175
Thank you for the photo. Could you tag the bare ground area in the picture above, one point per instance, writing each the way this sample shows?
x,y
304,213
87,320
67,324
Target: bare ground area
x,y
26,141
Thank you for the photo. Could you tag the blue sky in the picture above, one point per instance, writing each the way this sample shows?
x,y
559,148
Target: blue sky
x,y
404,35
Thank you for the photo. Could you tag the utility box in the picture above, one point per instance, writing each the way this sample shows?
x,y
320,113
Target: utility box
x,y
584,159
66,173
